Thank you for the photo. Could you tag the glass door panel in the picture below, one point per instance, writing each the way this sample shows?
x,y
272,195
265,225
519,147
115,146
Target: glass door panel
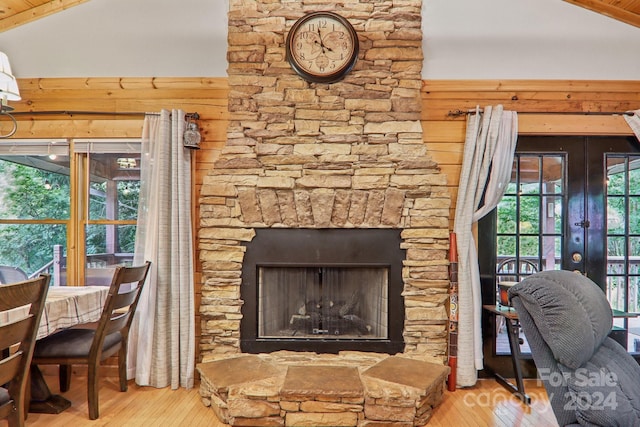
x,y
323,303
529,225
623,241
530,217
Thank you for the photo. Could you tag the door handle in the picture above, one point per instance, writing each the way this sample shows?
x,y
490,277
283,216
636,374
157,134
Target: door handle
x,y
584,223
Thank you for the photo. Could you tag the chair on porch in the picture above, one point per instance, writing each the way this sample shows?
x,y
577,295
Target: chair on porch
x,y
9,274
590,378
510,271
80,346
18,336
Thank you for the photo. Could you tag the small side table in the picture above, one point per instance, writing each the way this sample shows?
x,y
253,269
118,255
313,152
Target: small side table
x,y
511,320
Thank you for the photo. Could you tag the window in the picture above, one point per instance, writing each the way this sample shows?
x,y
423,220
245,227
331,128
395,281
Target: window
x,y
69,208
34,204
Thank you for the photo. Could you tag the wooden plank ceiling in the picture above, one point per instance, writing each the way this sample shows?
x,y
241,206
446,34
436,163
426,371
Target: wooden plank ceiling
x,y
623,10
14,13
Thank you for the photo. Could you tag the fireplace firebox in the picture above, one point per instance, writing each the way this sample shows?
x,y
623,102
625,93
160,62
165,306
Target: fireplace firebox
x,y
323,290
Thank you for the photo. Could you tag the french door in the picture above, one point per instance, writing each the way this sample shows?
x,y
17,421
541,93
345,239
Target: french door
x,y
572,205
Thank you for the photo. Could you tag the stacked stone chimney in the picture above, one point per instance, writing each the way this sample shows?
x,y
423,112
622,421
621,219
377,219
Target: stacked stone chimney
x,y
343,155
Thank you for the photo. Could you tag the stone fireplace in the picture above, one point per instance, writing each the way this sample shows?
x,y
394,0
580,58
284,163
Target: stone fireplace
x,y
341,157
324,231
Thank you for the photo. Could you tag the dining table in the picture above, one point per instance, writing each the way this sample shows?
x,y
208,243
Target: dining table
x,y
65,307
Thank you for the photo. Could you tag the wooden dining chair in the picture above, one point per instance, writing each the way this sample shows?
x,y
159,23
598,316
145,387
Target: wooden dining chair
x,y
18,336
84,346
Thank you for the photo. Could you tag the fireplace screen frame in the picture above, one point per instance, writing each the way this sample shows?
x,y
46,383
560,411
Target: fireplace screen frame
x,y
341,248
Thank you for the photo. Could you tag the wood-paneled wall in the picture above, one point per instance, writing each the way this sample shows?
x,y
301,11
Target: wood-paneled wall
x,y
206,96
544,107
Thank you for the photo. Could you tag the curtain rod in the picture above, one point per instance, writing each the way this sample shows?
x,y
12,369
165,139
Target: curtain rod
x,y
458,112
194,116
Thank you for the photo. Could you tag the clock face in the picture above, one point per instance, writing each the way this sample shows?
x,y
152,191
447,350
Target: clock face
x,y
322,47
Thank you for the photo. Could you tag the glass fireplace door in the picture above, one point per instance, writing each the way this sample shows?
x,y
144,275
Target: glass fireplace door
x,y
323,302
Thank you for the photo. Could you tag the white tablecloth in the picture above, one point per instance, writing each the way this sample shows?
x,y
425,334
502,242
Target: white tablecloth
x,y
65,306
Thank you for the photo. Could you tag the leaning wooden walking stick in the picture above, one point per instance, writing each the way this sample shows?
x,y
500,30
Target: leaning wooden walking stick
x,y
453,311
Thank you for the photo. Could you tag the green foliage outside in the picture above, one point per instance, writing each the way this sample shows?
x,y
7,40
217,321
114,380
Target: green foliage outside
x,y
526,225
29,193
618,212
618,215
128,194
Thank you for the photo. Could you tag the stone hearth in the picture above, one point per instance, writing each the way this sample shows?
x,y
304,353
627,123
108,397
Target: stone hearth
x,y
305,389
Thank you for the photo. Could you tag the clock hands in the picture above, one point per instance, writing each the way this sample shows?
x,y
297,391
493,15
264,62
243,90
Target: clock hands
x,y
321,43
323,47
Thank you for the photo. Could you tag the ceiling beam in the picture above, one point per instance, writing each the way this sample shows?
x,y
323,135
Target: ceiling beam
x,y
36,12
628,11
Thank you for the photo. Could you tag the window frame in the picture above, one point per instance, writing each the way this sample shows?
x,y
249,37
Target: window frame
x,y
79,152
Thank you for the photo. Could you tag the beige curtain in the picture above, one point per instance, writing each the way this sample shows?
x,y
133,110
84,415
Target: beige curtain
x,y
162,340
634,122
486,169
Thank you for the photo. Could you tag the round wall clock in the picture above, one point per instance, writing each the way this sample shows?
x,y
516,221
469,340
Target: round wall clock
x,y
322,47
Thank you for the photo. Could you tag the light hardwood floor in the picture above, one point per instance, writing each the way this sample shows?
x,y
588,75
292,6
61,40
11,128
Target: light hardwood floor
x,y
486,404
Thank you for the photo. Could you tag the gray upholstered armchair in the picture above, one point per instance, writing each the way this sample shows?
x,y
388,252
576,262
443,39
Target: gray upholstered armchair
x,y
590,379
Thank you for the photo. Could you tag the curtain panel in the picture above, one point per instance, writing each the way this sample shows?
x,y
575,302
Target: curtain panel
x,y
634,122
162,337
490,144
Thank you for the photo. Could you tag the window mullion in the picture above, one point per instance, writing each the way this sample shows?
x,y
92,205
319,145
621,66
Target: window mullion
x,y
76,239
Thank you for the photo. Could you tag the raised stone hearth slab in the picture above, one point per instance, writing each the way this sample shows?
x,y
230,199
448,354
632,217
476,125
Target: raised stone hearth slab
x,y
306,389
320,382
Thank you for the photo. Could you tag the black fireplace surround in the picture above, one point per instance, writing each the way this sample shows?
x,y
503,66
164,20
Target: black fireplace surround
x,y
340,252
